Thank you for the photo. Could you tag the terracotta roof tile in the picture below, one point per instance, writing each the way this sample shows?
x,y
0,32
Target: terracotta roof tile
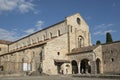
x,y
4,42
83,49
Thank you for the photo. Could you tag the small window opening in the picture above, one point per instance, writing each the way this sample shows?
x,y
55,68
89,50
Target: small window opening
x,y
43,37
58,32
112,59
50,35
58,53
71,28
78,21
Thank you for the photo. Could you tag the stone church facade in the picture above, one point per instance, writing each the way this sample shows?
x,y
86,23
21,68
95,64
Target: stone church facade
x,y
62,48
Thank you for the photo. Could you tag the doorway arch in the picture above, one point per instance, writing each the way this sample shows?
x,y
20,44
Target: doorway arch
x,y
74,67
98,63
85,66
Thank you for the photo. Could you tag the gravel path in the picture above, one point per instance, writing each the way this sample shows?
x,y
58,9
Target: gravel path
x,y
51,78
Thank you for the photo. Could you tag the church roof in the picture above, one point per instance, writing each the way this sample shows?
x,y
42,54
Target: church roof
x,y
4,42
82,49
39,31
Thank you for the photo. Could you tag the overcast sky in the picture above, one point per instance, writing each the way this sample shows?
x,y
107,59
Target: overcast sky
x,y
19,18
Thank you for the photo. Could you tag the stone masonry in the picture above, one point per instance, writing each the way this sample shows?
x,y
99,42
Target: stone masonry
x,y
62,48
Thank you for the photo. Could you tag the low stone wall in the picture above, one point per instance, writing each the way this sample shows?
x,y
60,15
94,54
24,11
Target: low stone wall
x,y
3,73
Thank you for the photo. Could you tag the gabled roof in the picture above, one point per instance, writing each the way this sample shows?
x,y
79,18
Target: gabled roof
x,y
82,50
4,42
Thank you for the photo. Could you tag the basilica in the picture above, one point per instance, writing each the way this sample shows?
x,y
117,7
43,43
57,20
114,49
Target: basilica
x,y
62,48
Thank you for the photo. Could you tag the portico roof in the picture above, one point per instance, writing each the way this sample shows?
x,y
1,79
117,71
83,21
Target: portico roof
x,y
61,61
82,50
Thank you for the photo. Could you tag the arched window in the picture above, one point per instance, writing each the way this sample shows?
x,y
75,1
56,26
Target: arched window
x,y
78,21
80,41
38,39
43,37
50,35
58,32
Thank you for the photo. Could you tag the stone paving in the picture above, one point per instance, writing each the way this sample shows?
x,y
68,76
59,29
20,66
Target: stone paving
x,y
60,77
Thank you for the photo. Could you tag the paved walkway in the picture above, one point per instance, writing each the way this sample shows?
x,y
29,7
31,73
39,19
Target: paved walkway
x,y
60,77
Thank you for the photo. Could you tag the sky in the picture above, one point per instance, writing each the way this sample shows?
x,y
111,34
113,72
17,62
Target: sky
x,y
19,18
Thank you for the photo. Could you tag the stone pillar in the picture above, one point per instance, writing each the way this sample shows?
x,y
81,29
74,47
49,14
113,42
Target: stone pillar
x,y
79,68
93,67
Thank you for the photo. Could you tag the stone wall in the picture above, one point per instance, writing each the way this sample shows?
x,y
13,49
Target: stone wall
x,y
111,58
98,55
3,48
79,57
55,42
77,29
55,51
40,36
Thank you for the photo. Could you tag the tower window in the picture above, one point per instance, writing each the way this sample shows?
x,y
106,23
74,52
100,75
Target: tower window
x,y
78,21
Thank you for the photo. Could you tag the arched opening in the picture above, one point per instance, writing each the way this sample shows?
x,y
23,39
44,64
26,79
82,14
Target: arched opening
x,y
98,62
74,67
85,66
80,41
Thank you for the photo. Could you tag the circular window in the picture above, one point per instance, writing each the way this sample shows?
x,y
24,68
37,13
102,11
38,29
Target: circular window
x,y
78,21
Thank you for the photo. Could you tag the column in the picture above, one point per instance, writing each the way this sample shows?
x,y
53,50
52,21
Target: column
x,y
93,67
79,68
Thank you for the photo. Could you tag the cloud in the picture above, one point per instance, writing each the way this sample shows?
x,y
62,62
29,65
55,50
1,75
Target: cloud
x,y
15,34
103,32
29,31
25,7
103,26
102,29
8,35
88,18
114,4
22,6
39,25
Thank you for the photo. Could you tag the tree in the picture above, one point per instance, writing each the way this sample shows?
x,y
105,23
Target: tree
x,y
108,38
98,42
